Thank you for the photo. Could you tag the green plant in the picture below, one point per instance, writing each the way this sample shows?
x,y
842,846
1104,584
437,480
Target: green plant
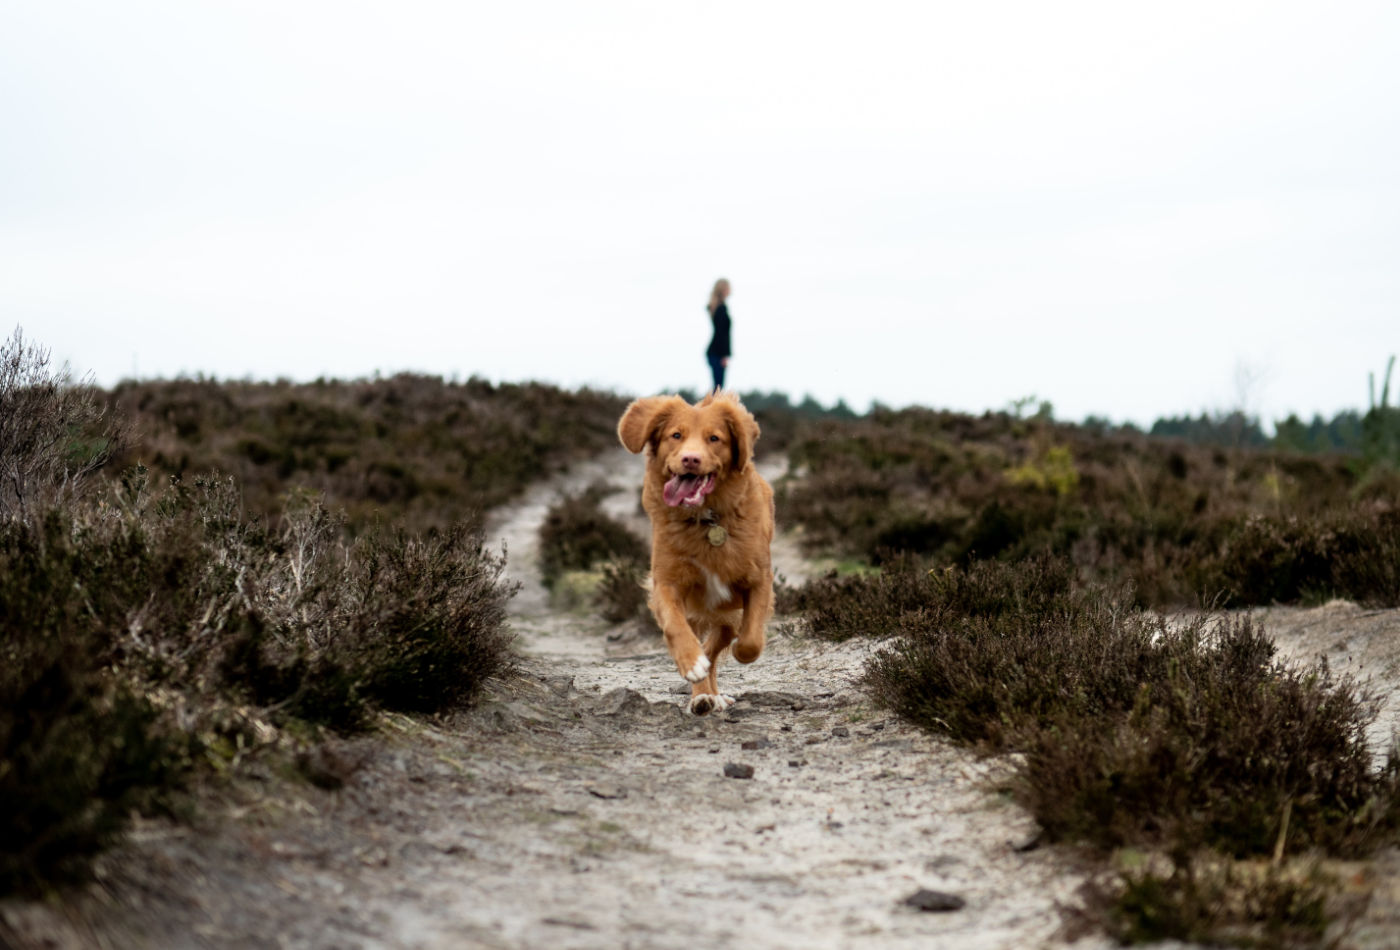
x,y
1380,427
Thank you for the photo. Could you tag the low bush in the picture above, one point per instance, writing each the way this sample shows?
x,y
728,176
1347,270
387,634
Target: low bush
x,y
54,434
1138,730
80,748
622,593
1181,524
1265,560
416,451
577,535
1202,900
1221,748
1178,736
306,624
905,594
138,631
145,633
421,622
998,649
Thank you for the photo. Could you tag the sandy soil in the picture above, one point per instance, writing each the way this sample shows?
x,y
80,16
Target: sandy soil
x,y
580,807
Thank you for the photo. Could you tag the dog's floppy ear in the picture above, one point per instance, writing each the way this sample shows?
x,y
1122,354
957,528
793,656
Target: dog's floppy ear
x,y
743,433
642,420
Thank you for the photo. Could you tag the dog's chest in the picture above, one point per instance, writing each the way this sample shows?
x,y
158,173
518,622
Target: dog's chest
x,y
717,592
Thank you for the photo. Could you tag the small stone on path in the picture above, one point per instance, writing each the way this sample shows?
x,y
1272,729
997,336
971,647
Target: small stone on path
x,y
735,770
934,901
607,791
753,745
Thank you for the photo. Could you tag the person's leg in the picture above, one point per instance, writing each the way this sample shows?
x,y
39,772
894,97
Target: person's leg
x,y
717,370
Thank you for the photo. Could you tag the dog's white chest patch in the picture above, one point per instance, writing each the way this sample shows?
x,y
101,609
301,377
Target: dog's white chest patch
x,y
716,590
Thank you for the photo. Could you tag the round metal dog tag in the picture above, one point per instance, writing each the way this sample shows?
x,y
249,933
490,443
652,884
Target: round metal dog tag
x,y
717,535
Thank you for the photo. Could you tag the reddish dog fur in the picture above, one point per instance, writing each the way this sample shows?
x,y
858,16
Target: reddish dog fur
x,y
711,533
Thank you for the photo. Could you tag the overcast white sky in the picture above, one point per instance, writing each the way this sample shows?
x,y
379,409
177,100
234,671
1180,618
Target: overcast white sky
x,y
1123,208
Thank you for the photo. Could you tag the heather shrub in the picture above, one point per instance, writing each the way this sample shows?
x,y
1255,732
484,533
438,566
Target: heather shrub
x,y
1178,523
81,752
1367,568
1263,560
421,621
622,592
997,647
1221,748
327,629
1205,901
413,450
139,629
80,747
1180,737
54,433
866,604
577,535
904,592
1137,730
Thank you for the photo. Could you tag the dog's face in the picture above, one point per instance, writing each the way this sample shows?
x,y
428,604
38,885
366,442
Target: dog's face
x,y
693,448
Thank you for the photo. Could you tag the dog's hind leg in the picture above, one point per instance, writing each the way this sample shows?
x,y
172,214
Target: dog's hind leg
x,y
705,696
758,607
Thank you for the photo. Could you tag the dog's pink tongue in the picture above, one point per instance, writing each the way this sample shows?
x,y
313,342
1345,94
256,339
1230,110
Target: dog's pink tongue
x,y
675,489
687,490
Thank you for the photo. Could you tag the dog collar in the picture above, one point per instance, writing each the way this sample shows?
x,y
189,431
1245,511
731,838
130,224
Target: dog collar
x,y
716,535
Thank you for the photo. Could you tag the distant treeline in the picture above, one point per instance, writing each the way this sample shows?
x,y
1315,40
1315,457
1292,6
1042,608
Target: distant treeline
x,y
1373,435
1349,432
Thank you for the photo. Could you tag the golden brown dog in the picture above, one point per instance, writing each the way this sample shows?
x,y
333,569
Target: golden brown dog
x,y
711,530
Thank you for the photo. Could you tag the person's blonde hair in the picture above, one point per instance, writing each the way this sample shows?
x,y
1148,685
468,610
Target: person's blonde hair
x,y
714,294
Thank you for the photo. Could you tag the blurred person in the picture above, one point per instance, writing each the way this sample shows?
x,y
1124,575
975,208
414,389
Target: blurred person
x,y
719,352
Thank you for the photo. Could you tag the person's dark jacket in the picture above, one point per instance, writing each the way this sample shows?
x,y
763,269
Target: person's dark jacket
x,y
719,344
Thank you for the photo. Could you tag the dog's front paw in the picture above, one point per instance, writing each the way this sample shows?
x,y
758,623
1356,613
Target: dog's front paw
x,y
699,671
702,704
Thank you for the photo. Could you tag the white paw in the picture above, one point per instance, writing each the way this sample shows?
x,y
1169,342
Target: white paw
x,y
700,670
702,704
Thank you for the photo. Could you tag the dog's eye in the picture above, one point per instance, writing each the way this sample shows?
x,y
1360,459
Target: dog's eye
x,y
675,435
714,438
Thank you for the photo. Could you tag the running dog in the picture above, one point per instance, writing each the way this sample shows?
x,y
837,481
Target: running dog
x,y
711,532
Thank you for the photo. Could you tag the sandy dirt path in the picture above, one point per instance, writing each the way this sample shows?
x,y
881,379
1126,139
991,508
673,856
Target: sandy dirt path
x,y
580,807
847,812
